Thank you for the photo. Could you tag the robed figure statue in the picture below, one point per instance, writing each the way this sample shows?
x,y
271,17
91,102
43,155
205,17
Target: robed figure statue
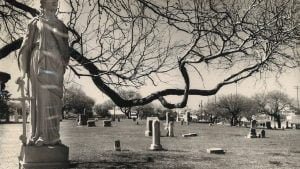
x,y
43,58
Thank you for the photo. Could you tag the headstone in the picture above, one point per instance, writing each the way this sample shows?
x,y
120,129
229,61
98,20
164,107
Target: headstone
x,y
156,136
171,129
167,118
91,123
215,151
82,119
263,134
268,125
287,124
106,123
252,133
253,124
148,131
187,117
117,145
181,122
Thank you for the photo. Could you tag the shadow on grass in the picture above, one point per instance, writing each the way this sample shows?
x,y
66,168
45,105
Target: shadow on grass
x,y
277,163
145,160
110,164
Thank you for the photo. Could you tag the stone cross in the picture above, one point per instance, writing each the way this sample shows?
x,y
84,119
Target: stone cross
x,y
23,99
155,136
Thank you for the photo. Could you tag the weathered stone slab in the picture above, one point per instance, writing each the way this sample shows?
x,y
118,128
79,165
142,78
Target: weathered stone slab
x,y
106,123
91,123
215,151
189,135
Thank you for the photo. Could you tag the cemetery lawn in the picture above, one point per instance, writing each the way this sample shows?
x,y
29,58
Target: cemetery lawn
x,y
94,147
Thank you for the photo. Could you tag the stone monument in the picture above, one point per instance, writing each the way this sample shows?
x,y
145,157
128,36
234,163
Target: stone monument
x,y
117,145
82,119
106,123
43,57
156,136
268,125
187,117
167,118
171,129
148,131
252,133
263,134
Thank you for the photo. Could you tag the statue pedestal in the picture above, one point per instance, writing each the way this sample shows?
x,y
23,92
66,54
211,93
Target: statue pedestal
x,y
45,157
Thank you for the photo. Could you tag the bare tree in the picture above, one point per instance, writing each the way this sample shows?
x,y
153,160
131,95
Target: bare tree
x,y
129,43
232,107
273,104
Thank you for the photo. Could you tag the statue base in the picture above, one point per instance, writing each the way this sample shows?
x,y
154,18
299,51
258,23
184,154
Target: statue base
x,y
45,157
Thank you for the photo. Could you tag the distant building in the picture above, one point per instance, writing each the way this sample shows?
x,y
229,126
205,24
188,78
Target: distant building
x,y
294,120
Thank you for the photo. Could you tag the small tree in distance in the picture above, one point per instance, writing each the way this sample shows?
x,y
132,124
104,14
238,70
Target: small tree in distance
x,y
77,101
231,107
273,104
102,109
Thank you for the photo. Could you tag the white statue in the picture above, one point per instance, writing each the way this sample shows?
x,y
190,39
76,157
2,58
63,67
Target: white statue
x,y
43,57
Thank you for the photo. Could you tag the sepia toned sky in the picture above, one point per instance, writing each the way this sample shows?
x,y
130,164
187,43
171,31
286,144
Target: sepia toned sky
x,y
286,83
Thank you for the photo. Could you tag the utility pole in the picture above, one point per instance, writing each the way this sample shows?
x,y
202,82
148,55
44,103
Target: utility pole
x,y
215,98
236,90
297,88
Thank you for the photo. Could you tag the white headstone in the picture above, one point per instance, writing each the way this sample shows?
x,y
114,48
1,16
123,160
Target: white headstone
x,y
156,136
148,131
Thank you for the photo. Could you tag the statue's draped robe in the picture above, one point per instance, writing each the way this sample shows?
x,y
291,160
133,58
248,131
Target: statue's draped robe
x,y
44,57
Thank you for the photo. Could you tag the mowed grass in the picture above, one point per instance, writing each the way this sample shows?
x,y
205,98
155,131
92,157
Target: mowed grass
x,y
94,147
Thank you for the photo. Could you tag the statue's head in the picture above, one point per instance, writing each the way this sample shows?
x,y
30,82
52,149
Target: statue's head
x,y
50,5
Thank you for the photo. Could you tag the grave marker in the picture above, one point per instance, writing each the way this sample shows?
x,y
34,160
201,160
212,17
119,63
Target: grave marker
x,y
148,131
156,136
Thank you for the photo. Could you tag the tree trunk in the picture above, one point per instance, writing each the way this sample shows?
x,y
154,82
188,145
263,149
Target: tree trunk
x,y
278,121
232,121
7,118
